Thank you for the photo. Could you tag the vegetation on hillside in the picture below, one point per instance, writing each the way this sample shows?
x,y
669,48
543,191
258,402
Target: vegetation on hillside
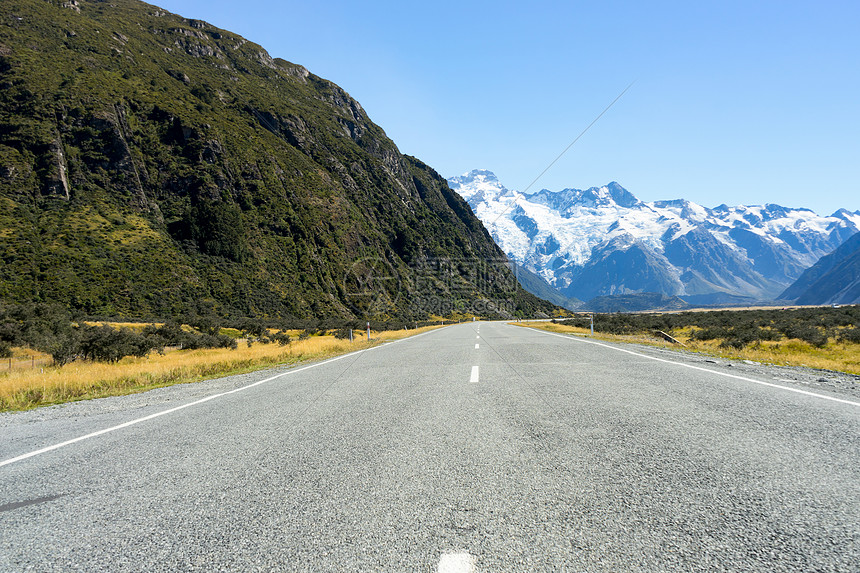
x,y
152,166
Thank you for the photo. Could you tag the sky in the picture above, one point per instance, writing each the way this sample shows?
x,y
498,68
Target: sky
x,y
731,102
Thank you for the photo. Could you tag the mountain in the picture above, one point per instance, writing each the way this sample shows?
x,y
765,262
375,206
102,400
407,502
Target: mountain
x,y
834,279
153,165
603,241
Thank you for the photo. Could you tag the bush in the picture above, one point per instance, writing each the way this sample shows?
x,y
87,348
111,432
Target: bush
x,y
342,333
63,348
806,333
210,341
281,338
850,335
171,333
252,327
711,333
206,324
106,344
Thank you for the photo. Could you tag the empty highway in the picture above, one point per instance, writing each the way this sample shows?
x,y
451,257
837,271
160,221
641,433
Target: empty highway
x,y
477,447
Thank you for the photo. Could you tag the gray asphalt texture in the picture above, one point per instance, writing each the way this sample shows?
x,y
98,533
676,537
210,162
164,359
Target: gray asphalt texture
x,y
564,456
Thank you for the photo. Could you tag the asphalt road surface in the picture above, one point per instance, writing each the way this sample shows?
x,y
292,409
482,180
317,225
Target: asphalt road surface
x,y
479,447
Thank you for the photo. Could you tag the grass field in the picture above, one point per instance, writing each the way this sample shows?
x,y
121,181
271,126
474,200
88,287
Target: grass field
x,y
835,355
80,380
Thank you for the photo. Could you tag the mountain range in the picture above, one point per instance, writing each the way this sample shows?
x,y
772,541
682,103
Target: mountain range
x,y
152,165
604,241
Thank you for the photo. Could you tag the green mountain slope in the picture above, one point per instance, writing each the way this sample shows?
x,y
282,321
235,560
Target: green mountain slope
x,y
151,165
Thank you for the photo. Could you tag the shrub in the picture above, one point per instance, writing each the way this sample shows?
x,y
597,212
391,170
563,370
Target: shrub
x,y
206,324
170,333
281,338
106,344
252,327
710,333
806,333
210,341
63,348
850,335
342,333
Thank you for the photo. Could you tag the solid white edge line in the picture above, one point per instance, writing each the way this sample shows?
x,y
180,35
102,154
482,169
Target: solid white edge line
x,y
196,402
726,374
474,377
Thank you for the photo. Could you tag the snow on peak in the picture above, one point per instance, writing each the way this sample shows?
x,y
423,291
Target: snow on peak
x,y
579,224
478,185
476,175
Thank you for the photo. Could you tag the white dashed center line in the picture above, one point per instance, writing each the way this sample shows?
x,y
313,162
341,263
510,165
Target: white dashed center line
x,y
477,346
456,563
474,378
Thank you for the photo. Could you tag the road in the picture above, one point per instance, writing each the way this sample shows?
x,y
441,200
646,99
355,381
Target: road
x,y
481,446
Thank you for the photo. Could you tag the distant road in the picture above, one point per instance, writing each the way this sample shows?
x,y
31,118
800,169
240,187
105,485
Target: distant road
x,y
481,446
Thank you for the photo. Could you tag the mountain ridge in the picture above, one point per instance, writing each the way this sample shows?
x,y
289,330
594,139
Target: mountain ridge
x,y
604,241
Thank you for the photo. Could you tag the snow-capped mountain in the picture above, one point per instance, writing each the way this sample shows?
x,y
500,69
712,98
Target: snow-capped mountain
x,y
605,241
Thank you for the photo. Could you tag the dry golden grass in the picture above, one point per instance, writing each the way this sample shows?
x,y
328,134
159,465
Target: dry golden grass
x,y
837,356
29,388
137,326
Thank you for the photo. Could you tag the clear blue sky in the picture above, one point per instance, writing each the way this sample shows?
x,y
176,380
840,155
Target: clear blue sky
x,y
733,102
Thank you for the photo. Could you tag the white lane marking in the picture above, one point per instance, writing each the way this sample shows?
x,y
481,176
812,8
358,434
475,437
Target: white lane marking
x,y
474,377
202,400
477,346
726,374
478,337
460,562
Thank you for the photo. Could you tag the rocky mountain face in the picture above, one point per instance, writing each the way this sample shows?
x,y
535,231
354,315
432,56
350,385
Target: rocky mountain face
x,y
604,241
152,165
834,279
